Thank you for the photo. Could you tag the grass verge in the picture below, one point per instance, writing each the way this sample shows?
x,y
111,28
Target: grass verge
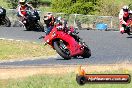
x,y
58,81
59,77
11,49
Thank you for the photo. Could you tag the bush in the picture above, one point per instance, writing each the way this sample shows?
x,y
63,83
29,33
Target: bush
x,y
70,6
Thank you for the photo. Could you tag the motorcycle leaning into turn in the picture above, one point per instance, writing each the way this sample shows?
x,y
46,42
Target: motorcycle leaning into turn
x,y
31,21
67,44
128,29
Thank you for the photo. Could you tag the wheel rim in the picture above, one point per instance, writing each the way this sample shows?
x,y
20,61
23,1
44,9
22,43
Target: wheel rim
x,y
63,47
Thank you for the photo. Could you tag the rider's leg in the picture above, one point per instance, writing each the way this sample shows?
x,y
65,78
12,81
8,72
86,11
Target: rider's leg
x,y
49,30
122,28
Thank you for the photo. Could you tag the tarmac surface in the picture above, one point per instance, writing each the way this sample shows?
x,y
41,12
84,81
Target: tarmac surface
x,y
108,47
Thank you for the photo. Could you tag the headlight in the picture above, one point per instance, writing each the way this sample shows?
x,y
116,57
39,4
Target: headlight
x,y
1,10
59,28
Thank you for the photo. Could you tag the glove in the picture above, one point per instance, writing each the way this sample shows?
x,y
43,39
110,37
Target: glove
x,y
127,24
69,32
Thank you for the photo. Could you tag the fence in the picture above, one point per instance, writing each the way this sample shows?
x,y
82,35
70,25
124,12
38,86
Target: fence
x,y
78,20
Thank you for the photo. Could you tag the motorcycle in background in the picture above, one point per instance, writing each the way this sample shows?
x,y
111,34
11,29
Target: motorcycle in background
x,y
32,21
129,28
67,44
4,20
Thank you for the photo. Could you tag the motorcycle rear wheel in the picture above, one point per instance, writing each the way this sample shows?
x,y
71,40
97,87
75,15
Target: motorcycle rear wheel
x,y
129,32
87,52
6,22
28,28
60,51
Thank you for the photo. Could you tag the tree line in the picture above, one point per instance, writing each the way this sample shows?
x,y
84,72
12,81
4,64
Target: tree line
x,y
91,7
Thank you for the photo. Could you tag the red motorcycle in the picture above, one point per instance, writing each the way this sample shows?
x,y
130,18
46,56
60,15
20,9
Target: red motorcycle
x,y
129,27
67,44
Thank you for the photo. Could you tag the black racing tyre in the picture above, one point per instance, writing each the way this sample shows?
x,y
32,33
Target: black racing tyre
x,y
63,53
39,26
87,52
129,31
6,22
28,28
81,80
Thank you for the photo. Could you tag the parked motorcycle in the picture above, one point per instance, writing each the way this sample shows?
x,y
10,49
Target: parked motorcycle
x,y
67,44
4,20
32,21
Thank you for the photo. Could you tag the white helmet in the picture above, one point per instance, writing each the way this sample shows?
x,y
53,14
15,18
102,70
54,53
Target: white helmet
x,y
125,7
22,2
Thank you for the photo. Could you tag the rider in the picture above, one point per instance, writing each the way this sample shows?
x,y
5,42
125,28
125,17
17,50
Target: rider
x,y
124,18
62,25
49,20
21,9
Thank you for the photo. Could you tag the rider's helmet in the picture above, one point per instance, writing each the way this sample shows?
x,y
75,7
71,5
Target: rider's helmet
x,y
48,18
22,2
125,10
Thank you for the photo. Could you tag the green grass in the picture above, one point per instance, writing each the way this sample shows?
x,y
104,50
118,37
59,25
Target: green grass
x,y
56,81
21,49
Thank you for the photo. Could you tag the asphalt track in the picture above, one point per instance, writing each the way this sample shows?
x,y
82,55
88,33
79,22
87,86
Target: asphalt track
x,y
107,47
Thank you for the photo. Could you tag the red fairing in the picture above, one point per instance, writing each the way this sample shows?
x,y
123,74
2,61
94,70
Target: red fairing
x,y
129,21
71,29
74,47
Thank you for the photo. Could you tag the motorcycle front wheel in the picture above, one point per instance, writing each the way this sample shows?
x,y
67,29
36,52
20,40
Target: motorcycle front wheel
x,y
129,31
61,49
39,26
6,22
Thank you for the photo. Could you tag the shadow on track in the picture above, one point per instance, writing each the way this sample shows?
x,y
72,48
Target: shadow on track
x,y
72,58
129,37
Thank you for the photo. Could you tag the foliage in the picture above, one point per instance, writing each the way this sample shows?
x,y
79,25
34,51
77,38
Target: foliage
x,y
81,8
13,3
112,8
91,7
3,4
73,6
130,6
